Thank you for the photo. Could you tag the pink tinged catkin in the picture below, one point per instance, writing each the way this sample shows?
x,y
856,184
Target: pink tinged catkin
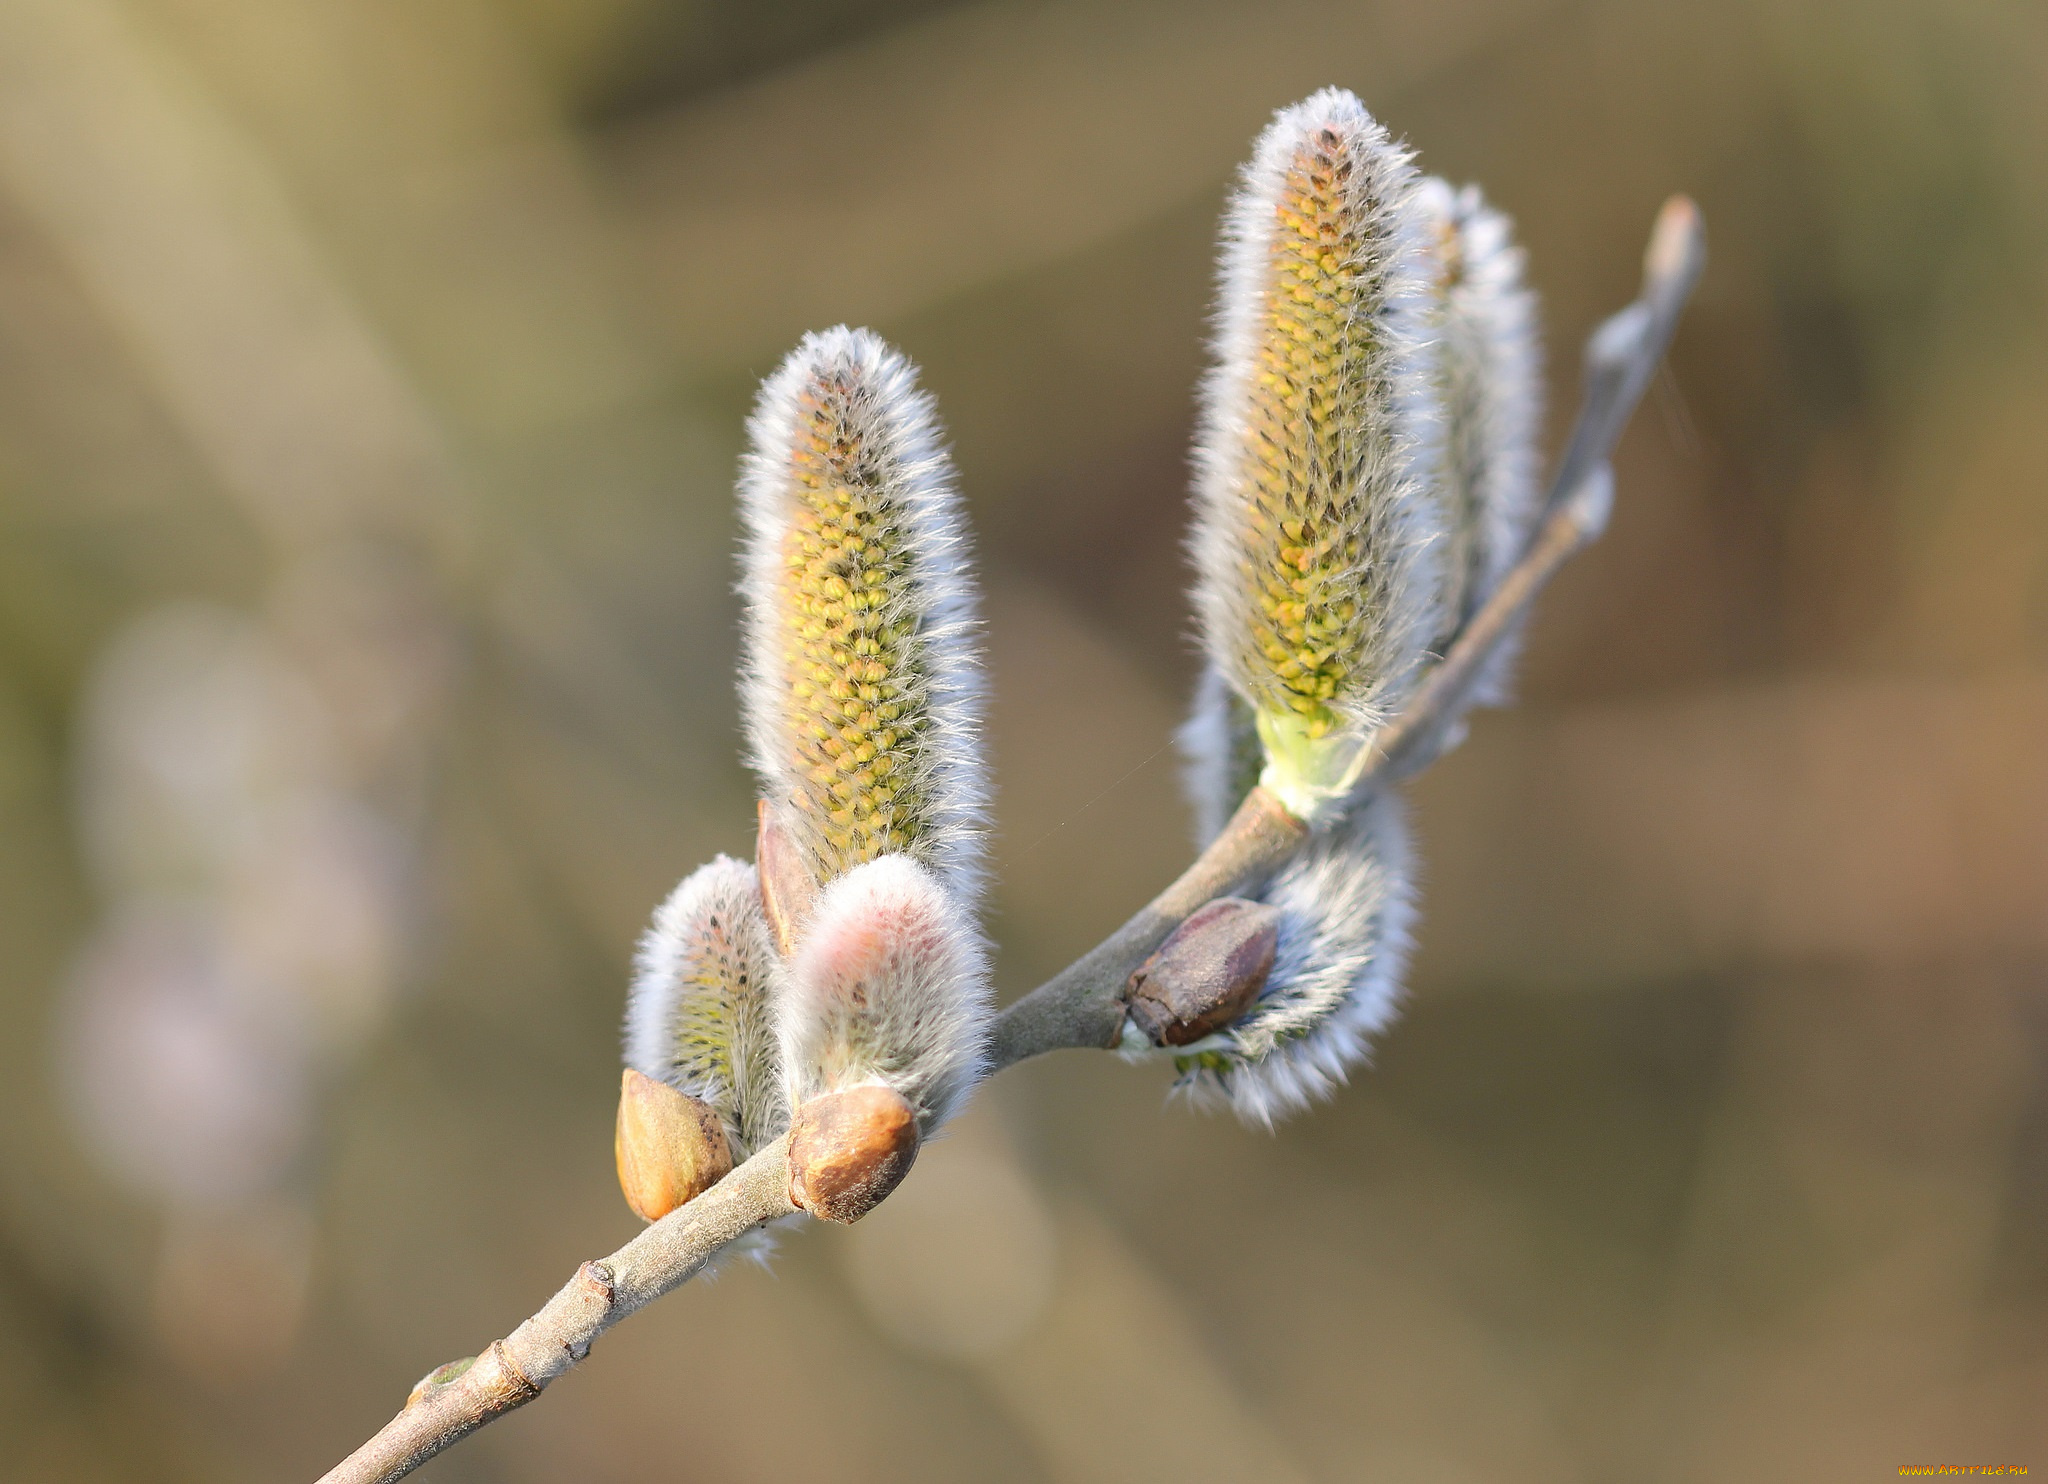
x,y
889,987
1317,540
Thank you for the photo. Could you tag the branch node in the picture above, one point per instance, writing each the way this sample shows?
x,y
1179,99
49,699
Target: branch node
x,y
505,1386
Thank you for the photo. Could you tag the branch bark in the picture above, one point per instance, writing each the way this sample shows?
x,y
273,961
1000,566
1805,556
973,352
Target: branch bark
x,y
456,1400
1082,1006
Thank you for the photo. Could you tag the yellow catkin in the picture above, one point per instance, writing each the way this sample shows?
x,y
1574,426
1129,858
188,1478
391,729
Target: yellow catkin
x,y
1313,388
851,657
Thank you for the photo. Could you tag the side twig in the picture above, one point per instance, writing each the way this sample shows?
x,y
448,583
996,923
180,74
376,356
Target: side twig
x,y
1082,1005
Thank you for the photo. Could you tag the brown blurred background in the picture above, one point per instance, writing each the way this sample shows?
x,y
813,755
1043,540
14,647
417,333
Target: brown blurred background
x,y
371,376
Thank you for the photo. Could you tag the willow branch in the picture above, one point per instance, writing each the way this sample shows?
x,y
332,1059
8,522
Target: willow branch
x,y
1082,1005
457,1399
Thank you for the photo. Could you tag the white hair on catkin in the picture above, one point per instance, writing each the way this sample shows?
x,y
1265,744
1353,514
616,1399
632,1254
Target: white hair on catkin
x,y
1347,905
1489,375
860,684
699,1014
1220,754
1315,536
889,986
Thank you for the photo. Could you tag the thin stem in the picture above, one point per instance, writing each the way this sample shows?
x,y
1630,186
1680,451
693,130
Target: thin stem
x,y
1623,353
1621,357
457,1399
1082,1005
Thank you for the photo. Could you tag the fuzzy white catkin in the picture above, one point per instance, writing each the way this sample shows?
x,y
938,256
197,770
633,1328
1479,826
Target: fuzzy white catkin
x,y
862,689
860,685
1317,541
889,985
1347,909
699,1014
1220,754
1489,381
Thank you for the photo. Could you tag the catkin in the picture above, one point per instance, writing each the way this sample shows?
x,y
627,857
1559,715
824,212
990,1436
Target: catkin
x,y
860,689
1347,906
1317,542
1489,382
699,1013
888,987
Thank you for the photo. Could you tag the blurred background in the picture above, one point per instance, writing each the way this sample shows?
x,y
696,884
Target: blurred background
x,y
371,378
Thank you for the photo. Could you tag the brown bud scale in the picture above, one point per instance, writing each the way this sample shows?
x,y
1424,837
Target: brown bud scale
x,y
787,888
670,1147
848,1150
1206,974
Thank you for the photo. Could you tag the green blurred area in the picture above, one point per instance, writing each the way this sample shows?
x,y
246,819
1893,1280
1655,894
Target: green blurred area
x,y
1715,1141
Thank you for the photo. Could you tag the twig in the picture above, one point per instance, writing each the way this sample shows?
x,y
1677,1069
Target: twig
x,y
1623,353
1082,1005
1621,357
456,1400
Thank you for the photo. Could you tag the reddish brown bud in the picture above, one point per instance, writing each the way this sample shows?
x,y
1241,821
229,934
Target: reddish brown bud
x,y
848,1150
787,890
1206,974
671,1147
